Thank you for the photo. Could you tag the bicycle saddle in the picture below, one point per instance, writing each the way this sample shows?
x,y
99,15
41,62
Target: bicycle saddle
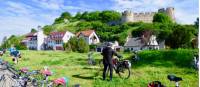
x,y
174,78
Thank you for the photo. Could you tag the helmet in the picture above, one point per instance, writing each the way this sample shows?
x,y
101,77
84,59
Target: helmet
x,y
109,44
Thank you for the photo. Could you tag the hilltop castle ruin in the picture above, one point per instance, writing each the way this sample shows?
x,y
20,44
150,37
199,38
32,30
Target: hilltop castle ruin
x,y
147,17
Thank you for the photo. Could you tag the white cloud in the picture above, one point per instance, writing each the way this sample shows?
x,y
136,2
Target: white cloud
x,y
50,4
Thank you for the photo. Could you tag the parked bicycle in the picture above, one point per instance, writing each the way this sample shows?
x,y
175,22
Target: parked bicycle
x,y
45,82
121,67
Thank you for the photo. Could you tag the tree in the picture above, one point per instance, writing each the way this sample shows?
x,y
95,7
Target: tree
x,y
64,16
180,37
33,30
47,29
196,23
83,46
73,44
162,18
85,15
93,16
78,15
107,16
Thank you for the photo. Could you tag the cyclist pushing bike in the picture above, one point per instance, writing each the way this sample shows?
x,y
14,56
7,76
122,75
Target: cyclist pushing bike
x,y
108,53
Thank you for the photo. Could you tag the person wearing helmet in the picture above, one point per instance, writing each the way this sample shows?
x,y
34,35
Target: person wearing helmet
x,y
108,53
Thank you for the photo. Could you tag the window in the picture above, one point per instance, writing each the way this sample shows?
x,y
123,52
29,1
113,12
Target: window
x,y
131,48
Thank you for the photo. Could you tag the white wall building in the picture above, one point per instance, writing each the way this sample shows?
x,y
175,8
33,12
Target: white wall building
x,y
35,41
134,44
56,40
89,35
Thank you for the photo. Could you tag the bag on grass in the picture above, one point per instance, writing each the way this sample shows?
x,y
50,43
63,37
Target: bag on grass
x,y
155,84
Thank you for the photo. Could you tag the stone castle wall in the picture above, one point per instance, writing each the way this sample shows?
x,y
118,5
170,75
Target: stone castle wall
x,y
147,17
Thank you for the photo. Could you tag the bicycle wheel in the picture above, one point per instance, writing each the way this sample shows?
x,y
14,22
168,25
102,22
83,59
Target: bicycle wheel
x,y
123,72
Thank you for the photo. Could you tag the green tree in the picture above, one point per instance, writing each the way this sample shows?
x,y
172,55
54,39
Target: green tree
x,y
107,16
73,44
47,29
162,18
196,23
180,37
83,46
33,30
85,16
78,15
93,16
64,16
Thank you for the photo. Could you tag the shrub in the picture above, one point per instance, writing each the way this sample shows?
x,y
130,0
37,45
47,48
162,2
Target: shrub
x,y
83,47
178,57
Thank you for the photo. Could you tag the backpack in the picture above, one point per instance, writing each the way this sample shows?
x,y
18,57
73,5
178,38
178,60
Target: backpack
x,y
155,84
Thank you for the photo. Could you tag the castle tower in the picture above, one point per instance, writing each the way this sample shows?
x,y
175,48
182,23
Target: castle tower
x,y
127,16
170,12
161,10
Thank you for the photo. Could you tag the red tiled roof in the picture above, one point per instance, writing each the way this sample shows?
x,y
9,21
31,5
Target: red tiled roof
x,y
86,33
57,35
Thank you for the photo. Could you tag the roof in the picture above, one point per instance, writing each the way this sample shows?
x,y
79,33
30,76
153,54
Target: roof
x,y
86,33
57,35
133,42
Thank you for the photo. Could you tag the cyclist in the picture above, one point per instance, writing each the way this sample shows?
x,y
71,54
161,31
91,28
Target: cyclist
x,y
108,53
16,54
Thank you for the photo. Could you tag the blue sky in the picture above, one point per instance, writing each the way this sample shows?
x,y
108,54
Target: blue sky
x,y
19,16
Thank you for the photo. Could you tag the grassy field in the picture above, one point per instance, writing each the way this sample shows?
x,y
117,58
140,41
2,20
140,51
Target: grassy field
x,y
75,67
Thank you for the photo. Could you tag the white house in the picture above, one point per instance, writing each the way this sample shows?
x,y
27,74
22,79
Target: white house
x,y
56,40
134,44
89,35
115,46
35,41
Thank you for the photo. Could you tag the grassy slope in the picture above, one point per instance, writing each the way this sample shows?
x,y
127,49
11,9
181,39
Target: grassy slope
x,y
74,66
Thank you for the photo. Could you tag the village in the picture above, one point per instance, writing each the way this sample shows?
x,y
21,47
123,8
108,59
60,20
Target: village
x,y
97,43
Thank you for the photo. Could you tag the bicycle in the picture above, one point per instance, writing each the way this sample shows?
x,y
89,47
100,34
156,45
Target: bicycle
x,y
49,83
121,67
170,77
22,76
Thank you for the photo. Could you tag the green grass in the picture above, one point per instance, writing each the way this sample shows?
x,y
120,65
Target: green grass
x,y
75,67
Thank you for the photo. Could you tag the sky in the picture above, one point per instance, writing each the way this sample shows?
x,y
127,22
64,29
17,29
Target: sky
x,y
19,16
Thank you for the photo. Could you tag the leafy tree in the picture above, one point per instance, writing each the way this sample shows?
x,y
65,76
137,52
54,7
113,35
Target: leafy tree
x,y
85,15
64,16
83,46
93,16
73,44
33,30
196,23
107,16
47,29
78,15
14,40
162,18
180,37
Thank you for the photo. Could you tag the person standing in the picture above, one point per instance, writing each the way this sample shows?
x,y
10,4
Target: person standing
x,y
108,54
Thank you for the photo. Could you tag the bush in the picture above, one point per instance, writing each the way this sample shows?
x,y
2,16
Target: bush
x,y
93,47
178,57
76,44
83,47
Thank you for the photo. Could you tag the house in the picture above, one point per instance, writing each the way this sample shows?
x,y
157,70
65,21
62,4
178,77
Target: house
x,y
56,40
34,41
115,46
89,36
138,43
